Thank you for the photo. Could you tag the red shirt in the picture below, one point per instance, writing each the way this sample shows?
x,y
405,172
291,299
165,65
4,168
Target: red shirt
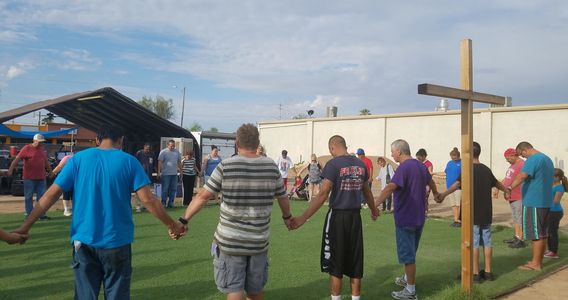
x,y
34,162
428,164
369,166
512,172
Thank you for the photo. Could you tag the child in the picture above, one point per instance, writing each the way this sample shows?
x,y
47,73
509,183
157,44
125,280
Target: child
x,y
12,237
483,182
297,185
556,213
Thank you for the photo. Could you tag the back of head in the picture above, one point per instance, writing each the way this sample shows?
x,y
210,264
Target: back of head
x,y
523,146
402,146
421,152
476,149
337,141
455,152
248,137
106,131
559,174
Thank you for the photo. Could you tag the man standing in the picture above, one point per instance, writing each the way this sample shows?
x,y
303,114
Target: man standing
x,y
346,178
102,228
169,164
249,183
409,187
369,165
515,199
284,164
537,177
35,166
146,159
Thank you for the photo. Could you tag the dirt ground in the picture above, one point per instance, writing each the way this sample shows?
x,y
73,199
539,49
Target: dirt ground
x,y
550,288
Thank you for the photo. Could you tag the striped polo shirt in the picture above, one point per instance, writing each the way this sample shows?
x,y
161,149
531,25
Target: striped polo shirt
x,y
248,187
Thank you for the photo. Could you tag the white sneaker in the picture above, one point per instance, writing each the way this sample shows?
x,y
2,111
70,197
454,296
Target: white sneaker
x,y
404,294
138,210
67,213
400,281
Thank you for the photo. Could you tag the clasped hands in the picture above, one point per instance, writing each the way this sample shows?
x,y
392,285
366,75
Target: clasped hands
x,y
177,230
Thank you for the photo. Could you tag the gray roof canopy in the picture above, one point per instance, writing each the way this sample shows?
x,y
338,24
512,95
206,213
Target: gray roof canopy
x,y
106,106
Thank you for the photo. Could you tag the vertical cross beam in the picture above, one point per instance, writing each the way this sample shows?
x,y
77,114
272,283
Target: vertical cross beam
x,y
466,81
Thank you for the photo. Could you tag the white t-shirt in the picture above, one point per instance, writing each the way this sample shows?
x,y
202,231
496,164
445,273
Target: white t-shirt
x,y
383,175
284,164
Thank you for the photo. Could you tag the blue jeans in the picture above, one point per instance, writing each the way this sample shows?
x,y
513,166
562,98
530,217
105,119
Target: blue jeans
x,y
407,241
31,187
111,267
169,187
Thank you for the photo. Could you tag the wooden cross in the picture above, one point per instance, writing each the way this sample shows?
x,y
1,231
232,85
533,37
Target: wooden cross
x,y
467,96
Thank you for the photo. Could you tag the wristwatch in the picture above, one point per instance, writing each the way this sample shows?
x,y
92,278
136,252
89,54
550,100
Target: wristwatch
x,y
182,220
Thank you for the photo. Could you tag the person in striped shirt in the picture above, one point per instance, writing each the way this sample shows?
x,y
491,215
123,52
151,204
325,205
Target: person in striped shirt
x,y
248,183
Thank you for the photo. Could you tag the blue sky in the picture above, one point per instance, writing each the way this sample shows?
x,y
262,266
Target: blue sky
x,y
240,60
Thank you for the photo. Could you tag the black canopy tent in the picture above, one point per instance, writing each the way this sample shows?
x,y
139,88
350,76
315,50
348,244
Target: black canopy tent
x,y
91,109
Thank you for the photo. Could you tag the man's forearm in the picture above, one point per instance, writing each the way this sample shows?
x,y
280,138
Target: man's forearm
x,y
284,204
154,206
315,204
433,186
46,201
197,204
389,189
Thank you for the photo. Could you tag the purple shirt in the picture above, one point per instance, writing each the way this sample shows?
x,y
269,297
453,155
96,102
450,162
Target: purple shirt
x,y
411,178
347,173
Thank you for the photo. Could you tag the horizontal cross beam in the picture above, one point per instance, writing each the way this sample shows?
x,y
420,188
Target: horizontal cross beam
x,y
453,93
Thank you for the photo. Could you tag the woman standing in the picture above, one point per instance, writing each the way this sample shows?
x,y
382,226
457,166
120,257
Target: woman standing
x,y
189,173
314,176
556,212
210,162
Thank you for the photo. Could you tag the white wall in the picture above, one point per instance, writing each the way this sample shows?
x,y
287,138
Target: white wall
x,y
495,129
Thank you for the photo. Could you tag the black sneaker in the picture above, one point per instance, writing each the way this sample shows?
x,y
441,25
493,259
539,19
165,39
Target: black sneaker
x,y
488,276
477,278
44,218
458,225
511,241
518,245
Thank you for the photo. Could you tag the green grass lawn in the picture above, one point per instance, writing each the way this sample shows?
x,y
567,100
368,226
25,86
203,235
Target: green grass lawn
x,y
166,269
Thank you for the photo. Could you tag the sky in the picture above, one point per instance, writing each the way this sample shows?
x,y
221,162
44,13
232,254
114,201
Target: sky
x,y
249,61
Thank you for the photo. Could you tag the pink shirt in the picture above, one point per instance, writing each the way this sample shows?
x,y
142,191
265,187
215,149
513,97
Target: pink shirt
x,y
428,164
512,172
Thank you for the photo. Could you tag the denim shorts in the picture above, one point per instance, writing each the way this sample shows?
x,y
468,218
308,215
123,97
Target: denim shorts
x,y
235,273
481,236
407,240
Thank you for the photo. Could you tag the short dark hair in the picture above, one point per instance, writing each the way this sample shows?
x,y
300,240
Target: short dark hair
x,y
213,147
106,131
524,146
338,141
476,149
147,144
172,142
421,152
284,152
248,137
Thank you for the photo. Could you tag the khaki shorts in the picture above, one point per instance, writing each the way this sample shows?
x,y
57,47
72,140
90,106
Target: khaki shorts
x,y
517,211
240,273
455,198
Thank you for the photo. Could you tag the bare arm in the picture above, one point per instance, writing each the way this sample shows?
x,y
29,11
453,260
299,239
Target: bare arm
x,y
12,237
370,201
197,203
13,165
518,180
159,167
450,190
385,193
49,198
317,201
154,206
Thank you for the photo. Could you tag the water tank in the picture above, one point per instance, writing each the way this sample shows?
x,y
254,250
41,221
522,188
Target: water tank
x,y
331,112
443,105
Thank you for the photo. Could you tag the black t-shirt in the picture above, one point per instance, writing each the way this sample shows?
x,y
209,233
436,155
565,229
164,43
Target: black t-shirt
x,y
347,173
483,182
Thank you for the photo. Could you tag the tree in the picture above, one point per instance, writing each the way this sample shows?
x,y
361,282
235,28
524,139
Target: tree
x,y
214,129
49,117
161,106
364,112
195,127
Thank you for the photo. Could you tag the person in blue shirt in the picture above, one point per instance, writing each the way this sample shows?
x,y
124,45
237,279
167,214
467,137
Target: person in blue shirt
x,y
556,212
102,228
453,172
536,177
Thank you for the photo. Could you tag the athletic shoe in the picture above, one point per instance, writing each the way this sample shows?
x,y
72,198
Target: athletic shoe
x,y
511,241
67,213
400,281
138,210
44,218
458,225
488,276
476,278
551,254
518,244
404,294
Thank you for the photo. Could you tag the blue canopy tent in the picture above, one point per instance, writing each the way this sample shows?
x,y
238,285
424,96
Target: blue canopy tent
x,y
30,134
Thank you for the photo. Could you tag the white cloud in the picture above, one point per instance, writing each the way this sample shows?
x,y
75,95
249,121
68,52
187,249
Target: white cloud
x,y
79,60
18,70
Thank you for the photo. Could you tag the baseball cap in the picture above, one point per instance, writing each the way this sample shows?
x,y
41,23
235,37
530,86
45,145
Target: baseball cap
x,y
360,151
39,137
510,152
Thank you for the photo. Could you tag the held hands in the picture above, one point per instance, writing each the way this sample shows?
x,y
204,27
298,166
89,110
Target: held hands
x,y
374,213
297,222
177,230
439,197
507,193
16,238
